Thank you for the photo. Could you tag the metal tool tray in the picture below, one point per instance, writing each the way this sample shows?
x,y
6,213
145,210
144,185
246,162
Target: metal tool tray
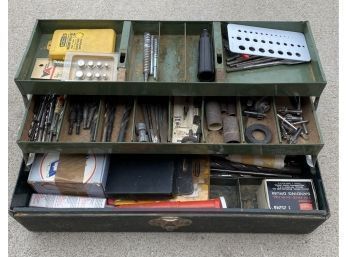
x,y
211,143
178,57
238,218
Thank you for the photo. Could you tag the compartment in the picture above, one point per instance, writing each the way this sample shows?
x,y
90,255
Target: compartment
x,y
204,141
299,73
308,114
242,214
32,120
193,33
43,33
118,111
248,192
151,120
269,121
75,110
178,57
135,57
186,120
231,129
227,188
172,55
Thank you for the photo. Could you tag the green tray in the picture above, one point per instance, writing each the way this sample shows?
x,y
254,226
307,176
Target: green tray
x,y
210,144
178,56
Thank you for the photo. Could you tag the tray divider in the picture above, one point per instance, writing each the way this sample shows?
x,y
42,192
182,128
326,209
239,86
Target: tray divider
x,y
185,53
159,50
60,121
203,140
239,193
276,119
218,52
125,50
133,138
240,119
100,120
170,118
66,110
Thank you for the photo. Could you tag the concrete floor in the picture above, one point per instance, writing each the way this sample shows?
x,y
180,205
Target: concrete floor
x,y
323,15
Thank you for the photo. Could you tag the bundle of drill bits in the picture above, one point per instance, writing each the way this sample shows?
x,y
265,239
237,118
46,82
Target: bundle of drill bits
x,y
292,123
151,47
109,118
85,112
153,129
47,113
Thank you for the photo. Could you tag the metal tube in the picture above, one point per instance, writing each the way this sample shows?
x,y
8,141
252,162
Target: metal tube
x,y
213,115
231,129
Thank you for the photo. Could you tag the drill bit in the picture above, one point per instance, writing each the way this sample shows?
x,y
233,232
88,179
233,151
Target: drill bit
x,y
124,122
155,57
109,122
79,118
57,111
72,119
147,53
85,115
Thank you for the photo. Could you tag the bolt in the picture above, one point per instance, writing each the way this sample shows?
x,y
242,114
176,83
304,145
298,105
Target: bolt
x,y
300,122
89,75
81,63
293,138
141,132
99,65
286,122
285,110
90,64
79,74
292,118
97,75
256,115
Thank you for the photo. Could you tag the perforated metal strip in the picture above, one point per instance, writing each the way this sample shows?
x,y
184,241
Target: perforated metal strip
x,y
268,42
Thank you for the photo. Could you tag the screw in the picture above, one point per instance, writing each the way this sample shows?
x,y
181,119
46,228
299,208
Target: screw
x,y
293,138
286,122
256,115
292,118
285,110
300,122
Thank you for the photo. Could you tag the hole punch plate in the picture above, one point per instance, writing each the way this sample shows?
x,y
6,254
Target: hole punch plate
x,y
262,38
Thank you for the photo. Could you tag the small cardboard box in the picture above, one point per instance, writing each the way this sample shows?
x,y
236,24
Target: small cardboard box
x,y
65,201
287,194
74,174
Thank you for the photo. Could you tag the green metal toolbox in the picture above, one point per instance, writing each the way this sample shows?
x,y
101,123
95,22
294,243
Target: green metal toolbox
x,y
178,55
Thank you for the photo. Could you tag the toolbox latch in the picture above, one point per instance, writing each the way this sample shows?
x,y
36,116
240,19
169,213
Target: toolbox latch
x,y
170,223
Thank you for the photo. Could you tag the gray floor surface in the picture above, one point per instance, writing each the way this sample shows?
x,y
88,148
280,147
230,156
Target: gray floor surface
x,y
323,15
